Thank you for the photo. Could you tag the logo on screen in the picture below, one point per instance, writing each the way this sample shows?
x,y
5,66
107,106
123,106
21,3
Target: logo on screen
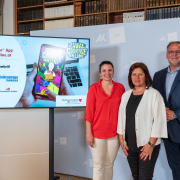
x,y
24,42
50,55
6,52
8,66
9,78
8,90
72,101
77,50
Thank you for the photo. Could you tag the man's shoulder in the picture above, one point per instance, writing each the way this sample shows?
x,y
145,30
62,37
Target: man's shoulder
x,y
153,91
161,71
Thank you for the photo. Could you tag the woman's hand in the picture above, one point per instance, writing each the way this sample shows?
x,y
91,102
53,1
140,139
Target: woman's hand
x,y
89,135
90,139
146,151
123,146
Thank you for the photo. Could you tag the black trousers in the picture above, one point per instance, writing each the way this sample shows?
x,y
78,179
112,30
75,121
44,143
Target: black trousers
x,y
142,170
173,156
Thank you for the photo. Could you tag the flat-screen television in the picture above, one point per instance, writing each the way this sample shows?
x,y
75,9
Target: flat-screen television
x,y
43,71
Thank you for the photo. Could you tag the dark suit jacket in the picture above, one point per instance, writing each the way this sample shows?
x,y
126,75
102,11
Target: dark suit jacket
x,y
173,102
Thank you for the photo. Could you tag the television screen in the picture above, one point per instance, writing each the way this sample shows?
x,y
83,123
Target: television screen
x,y
43,71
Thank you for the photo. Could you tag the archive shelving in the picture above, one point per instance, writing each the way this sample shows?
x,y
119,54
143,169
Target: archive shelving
x,y
33,14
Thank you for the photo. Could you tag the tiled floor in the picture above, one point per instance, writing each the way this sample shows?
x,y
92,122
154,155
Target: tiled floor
x,y
70,177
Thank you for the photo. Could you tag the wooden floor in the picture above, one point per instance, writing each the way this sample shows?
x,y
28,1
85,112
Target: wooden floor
x,y
70,177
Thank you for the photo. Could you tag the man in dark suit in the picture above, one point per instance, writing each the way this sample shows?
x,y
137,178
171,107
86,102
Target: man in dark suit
x,y
167,82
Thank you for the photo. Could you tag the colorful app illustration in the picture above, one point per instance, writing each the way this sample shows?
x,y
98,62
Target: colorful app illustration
x,y
50,70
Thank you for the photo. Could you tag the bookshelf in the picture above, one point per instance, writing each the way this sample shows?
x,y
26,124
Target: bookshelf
x,y
51,14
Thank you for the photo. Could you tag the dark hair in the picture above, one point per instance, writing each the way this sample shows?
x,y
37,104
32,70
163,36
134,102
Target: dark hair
x,y
173,42
105,62
145,70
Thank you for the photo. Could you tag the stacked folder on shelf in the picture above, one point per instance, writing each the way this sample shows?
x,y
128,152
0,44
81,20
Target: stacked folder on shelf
x,y
59,11
57,24
133,17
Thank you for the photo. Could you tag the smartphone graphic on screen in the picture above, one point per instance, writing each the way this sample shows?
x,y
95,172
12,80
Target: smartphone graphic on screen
x,y
50,70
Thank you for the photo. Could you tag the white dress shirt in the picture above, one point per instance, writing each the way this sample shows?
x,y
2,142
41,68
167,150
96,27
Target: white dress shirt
x,y
150,117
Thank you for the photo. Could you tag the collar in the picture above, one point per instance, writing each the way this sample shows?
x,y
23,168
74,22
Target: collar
x,y
99,83
168,70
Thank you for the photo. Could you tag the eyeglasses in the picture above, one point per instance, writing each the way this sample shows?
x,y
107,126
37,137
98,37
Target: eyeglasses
x,y
172,52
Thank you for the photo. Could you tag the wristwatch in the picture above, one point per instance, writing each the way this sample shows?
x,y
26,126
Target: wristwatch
x,y
151,144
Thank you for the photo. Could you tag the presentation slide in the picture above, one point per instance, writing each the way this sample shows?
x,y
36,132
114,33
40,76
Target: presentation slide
x,y
43,71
